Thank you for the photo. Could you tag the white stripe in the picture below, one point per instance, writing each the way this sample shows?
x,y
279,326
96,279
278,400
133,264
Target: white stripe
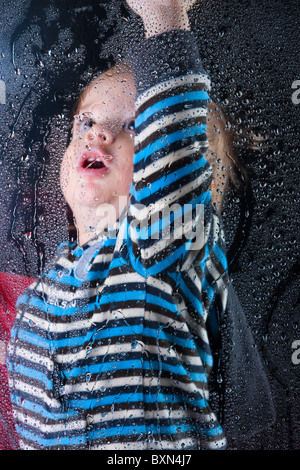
x,y
216,275
215,228
33,285
173,83
191,258
25,446
99,317
65,263
145,213
65,425
47,289
142,212
56,296
172,157
147,381
129,277
168,120
109,350
35,392
123,278
36,358
217,443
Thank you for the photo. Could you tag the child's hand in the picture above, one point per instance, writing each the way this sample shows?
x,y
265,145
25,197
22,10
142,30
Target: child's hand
x,y
139,6
162,15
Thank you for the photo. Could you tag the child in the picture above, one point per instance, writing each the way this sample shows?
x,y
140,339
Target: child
x,y
112,347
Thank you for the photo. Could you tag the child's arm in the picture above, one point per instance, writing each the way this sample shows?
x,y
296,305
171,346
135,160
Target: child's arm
x,y
170,171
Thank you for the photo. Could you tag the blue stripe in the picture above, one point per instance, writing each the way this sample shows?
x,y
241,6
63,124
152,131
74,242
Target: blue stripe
x,y
33,374
65,279
158,300
32,436
143,397
119,431
93,275
171,101
22,299
56,310
170,178
221,256
167,140
196,302
33,339
156,429
148,232
104,400
69,311
163,335
109,332
136,364
37,340
157,267
37,409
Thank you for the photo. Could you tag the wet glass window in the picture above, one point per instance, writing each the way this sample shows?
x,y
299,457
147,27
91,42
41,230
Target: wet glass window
x,y
49,53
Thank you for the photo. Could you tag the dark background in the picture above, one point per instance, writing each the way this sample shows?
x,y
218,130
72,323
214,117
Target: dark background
x,y
49,50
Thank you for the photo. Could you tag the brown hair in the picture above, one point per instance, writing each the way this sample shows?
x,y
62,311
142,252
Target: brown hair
x,y
225,138
221,154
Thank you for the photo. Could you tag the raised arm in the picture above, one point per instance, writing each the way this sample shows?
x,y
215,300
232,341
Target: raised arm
x,y
170,211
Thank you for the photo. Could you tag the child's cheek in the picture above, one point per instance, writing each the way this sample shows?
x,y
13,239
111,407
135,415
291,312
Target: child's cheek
x,y
66,172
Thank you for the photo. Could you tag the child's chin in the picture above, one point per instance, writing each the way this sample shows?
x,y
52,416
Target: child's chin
x,y
87,202
89,195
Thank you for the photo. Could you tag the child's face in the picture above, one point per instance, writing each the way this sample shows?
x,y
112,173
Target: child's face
x,y
97,167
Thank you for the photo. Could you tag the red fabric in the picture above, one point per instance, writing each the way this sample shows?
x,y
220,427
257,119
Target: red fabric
x,y
11,286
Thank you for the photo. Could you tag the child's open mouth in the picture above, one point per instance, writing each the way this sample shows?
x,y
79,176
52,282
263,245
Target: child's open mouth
x,y
94,162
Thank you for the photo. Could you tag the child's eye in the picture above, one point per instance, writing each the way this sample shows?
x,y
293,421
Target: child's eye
x,y
86,124
83,122
129,125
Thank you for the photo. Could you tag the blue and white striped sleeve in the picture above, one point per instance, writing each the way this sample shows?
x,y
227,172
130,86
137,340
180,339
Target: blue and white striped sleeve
x,y
170,206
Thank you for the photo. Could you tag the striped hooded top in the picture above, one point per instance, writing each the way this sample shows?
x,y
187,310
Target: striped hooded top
x,y
110,348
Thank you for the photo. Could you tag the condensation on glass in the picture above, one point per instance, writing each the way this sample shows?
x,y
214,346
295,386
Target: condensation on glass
x,y
50,51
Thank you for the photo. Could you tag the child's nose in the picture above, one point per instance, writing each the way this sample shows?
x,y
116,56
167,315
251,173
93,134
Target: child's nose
x,y
101,134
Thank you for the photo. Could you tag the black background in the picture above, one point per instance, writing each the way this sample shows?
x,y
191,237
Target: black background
x,y
251,49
